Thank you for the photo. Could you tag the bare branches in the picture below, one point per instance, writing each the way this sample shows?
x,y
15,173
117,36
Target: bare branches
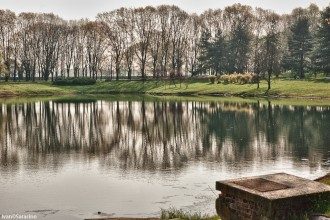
x,y
147,42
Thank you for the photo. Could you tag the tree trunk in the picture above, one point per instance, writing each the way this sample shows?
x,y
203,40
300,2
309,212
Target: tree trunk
x,y
269,75
129,74
301,70
117,72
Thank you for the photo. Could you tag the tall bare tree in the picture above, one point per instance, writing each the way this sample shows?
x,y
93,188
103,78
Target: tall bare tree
x,y
144,19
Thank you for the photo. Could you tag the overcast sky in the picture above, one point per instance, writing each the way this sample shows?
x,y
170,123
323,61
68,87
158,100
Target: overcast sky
x,y
75,9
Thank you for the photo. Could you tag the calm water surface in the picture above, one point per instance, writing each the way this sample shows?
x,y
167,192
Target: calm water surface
x,y
70,159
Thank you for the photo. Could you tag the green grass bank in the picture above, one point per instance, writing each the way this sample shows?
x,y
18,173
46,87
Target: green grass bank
x,y
281,88
31,89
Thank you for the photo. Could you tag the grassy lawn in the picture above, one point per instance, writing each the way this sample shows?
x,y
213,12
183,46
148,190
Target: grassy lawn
x,y
283,88
31,89
280,88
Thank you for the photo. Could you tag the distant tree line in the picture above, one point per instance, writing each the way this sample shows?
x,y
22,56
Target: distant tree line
x,y
165,41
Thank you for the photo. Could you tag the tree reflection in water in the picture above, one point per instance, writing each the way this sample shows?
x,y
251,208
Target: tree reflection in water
x,y
158,135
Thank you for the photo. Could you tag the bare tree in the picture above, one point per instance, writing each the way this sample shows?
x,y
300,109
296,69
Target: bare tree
x,y
49,28
144,19
7,34
194,33
128,25
95,46
158,41
113,29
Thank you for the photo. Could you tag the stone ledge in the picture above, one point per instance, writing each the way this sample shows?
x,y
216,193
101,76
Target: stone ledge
x,y
274,196
297,186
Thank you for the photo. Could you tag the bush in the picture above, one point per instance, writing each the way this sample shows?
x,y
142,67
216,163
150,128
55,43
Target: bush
x,y
239,78
224,79
74,81
212,79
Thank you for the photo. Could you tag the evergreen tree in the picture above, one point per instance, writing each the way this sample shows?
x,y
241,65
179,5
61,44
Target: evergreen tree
x,y
239,47
323,49
299,45
204,59
217,53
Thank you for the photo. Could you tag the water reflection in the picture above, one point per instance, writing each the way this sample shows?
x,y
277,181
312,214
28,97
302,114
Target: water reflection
x,y
157,136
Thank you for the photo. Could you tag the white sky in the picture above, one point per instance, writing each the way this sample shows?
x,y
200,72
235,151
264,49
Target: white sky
x,y
75,9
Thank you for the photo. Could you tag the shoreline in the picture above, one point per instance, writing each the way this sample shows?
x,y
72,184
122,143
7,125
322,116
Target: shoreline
x,y
159,94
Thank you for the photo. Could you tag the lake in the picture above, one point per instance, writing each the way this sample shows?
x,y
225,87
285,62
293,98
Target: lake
x,y
71,158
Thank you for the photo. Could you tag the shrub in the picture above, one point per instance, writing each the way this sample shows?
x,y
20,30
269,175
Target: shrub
x,y
239,78
212,79
218,79
233,78
74,81
224,79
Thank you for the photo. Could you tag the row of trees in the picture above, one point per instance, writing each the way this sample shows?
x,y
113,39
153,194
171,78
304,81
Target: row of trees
x,y
165,41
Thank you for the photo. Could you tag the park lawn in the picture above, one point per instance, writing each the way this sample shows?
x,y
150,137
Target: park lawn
x,y
29,89
280,88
